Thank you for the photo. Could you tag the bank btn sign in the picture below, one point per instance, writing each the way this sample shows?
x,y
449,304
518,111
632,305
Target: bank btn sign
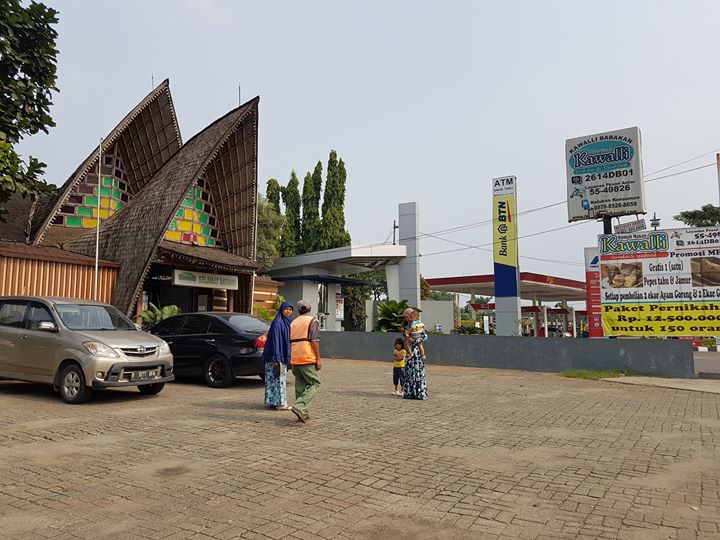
x,y
604,175
505,252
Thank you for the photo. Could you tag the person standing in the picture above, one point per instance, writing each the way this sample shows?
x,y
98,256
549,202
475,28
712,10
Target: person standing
x,y
305,359
399,354
276,356
415,385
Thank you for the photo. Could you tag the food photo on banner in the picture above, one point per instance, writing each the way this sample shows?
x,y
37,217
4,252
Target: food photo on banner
x,y
661,283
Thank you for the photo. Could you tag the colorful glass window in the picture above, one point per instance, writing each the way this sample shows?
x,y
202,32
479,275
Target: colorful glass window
x,y
196,220
81,208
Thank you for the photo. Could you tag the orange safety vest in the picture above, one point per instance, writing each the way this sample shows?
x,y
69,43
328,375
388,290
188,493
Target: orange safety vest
x,y
302,351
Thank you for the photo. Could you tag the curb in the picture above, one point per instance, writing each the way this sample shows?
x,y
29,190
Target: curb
x,y
705,349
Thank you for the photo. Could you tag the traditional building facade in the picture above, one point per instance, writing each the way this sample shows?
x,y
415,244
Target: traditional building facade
x,y
176,221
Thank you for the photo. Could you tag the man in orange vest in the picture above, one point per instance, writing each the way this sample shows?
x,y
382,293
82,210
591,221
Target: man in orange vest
x,y
305,359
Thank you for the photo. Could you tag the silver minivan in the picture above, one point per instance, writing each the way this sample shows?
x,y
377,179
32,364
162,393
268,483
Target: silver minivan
x,y
78,345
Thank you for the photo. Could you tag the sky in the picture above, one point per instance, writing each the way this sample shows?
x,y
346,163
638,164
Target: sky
x,y
424,101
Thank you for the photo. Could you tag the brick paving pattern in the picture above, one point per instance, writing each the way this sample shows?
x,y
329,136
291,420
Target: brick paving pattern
x,y
492,454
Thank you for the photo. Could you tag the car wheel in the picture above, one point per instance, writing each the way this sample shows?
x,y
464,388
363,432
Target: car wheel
x,y
218,373
151,389
72,385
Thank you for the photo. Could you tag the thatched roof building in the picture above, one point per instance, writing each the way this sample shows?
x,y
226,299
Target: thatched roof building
x,y
160,205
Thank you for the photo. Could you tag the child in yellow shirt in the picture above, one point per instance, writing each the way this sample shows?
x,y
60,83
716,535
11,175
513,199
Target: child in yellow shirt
x,y
399,354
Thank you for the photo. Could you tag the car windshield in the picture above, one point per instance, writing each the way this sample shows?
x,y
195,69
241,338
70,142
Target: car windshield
x,y
93,317
246,323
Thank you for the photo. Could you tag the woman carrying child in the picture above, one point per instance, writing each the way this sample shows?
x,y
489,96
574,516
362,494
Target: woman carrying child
x,y
415,385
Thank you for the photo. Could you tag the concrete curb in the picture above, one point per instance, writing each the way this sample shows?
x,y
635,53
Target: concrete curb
x,y
692,385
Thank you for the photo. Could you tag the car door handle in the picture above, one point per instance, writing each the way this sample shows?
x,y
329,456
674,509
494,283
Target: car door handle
x,y
168,342
209,341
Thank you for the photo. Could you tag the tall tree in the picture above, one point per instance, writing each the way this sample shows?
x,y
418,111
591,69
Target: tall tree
x,y
291,240
707,216
28,57
312,186
273,192
333,208
355,296
269,230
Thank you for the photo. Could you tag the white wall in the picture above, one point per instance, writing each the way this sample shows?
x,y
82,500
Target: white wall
x,y
433,312
437,312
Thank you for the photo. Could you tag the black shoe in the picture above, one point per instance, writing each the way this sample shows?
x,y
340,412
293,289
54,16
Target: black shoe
x,y
300,416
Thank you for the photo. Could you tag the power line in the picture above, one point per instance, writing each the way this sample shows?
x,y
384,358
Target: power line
x,y
539,208
468,246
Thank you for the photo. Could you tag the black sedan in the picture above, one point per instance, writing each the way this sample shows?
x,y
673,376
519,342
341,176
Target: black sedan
x,y
219,346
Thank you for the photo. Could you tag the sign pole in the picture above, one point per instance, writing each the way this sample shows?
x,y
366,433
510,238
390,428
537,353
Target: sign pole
x,y
505,257
717,162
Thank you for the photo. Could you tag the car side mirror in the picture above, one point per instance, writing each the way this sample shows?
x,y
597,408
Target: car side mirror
x,y
139,327
47,326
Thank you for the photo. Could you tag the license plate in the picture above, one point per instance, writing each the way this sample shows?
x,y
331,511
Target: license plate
x,y
142,375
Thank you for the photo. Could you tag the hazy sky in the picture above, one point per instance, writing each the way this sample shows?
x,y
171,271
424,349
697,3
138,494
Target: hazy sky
x,y
425,101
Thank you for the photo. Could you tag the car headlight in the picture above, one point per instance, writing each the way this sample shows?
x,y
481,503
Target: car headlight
x,y
99,349
164,348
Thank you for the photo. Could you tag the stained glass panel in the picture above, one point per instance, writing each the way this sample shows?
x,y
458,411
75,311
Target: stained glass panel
x,y
196,221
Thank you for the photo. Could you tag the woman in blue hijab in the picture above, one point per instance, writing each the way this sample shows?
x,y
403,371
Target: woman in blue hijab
x,y
277,359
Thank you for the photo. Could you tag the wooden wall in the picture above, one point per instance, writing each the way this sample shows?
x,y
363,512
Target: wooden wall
x,y
28,277
265,293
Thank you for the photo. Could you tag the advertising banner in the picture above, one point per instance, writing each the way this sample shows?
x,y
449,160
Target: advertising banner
x,y
592,284
661,283
604,175
630,226
505,256
339,307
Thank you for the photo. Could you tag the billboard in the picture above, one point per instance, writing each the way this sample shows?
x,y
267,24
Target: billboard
x,y
604,175
505,256
661,283
592,286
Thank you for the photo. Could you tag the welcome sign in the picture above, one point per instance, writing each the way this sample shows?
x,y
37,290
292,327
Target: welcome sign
x,y
604,175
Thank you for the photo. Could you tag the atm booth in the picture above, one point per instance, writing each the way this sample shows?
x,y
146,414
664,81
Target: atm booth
x,y
541,318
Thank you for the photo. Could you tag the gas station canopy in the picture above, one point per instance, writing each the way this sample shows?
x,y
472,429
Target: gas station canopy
x,y
532,287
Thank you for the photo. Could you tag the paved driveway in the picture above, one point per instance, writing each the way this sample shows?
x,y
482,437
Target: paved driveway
x,y
492,453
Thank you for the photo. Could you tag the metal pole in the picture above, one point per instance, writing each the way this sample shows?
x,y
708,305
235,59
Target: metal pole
x,y
239,96
97,220
607,225
717,162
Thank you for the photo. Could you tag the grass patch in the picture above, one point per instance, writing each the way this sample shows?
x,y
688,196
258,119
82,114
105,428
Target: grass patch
x,y
594,375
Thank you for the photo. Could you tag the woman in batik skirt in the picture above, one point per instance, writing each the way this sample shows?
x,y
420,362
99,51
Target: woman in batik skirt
x,y
277,359
415,385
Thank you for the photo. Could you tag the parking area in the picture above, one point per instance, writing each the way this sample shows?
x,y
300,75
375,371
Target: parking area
x,y
491,454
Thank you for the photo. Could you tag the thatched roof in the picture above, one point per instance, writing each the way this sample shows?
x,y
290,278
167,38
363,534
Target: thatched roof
x,y
147,137
16,227
226,153
216,258
19,250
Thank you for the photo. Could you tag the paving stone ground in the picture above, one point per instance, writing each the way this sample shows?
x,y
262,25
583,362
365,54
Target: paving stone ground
x,y
490,454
